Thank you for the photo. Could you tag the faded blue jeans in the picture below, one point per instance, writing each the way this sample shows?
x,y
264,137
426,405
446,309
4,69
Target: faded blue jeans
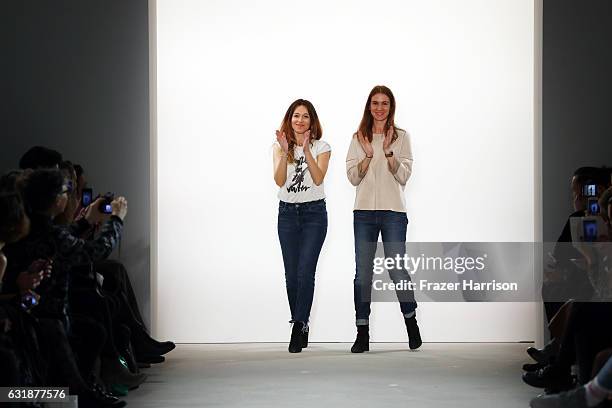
x,y
367,225
302,228
604,377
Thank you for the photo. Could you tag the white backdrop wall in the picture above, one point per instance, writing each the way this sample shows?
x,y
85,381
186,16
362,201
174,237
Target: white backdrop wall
x,y
463,77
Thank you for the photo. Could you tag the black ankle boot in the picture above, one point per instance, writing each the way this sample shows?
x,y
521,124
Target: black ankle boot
x,y
305,338
295,344
414,335
362,342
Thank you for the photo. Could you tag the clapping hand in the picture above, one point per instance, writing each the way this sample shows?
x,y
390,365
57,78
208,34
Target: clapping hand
x,y
388,140
281,138
365,144
306,144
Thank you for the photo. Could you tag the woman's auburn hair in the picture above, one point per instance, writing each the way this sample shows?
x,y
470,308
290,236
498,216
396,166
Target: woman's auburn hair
x,y
316,131
367,121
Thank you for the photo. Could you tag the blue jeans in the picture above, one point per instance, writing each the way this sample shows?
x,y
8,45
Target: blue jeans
x,y
604,377
367,225
302,228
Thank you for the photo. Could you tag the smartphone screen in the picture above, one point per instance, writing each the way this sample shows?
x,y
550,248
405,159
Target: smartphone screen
x,y
589,190
590,230
87,197
593,207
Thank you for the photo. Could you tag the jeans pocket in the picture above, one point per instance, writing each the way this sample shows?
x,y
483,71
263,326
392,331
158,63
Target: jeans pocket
x,y
399,216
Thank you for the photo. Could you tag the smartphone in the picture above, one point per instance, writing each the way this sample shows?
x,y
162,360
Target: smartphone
x,y
593,206
589,228
86,197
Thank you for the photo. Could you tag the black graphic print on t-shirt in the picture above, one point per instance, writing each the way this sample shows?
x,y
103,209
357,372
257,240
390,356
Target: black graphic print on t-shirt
x,y
296,185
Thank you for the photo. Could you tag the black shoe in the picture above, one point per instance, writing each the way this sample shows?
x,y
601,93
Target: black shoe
x,y
362,342
414,335
295,344
145,344
130,359
550,377
546,354
98,398
305,338
152,347
113,372
532,367
165,347
149,359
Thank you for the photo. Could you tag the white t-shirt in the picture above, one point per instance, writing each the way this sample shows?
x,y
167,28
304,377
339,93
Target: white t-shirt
x,y
299,187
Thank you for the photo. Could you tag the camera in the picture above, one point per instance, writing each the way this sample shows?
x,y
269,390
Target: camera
x,y
105,205
27,301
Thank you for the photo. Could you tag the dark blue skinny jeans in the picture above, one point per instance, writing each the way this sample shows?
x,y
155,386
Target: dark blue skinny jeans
x,y
367,225
302,228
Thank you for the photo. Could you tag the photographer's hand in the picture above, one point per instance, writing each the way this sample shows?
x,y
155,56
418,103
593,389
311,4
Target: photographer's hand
x,y
28,280
93,215
120,207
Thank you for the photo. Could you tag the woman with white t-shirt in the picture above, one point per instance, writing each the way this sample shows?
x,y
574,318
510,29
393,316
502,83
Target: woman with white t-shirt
x,y
300,163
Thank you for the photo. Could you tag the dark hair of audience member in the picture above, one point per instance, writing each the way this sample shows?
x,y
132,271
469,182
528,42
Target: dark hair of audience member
x,y
78,170
596,175
41,189
69,172
14,223
39,157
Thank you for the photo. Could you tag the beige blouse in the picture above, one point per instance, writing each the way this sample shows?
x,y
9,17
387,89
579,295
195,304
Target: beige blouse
x,y
379,188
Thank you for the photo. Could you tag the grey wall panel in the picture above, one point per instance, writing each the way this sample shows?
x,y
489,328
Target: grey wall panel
x,y
77,77
577,87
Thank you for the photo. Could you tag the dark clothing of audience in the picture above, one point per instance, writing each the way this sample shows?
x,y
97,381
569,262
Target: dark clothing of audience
x,y
62,245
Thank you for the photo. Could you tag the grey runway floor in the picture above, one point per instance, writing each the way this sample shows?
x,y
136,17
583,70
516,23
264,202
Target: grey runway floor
x,y
327,375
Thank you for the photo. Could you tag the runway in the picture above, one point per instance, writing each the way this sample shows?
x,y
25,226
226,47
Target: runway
x,y
327,375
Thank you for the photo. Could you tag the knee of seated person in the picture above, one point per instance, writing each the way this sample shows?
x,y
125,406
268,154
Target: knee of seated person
x,y
600,360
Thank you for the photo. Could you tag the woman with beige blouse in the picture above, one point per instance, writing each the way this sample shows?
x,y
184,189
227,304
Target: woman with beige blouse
x,y
379,163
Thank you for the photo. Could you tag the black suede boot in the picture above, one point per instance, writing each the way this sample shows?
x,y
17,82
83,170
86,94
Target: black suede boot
x,y
362,342
295,344
414,335
305,337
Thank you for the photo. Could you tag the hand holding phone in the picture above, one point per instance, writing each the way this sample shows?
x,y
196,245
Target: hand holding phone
x,y
29,279
93,214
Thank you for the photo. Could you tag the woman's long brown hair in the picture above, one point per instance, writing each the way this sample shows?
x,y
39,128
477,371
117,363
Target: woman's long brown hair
x,y
316,131
367,121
